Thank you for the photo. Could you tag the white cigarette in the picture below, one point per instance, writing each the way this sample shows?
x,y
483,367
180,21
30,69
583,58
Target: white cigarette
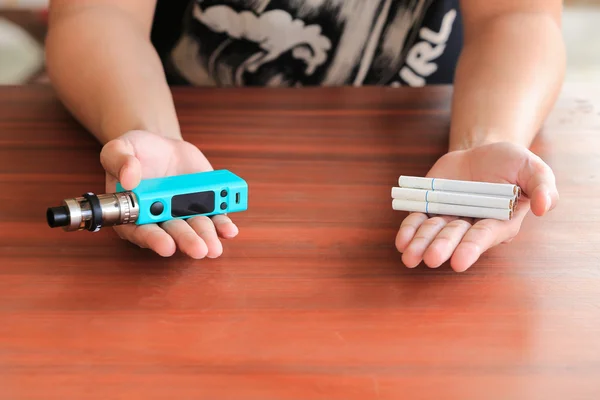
x,y
451,209
451,185
465,199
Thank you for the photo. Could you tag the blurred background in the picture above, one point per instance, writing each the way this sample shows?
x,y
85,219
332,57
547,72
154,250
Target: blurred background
x,y
23,26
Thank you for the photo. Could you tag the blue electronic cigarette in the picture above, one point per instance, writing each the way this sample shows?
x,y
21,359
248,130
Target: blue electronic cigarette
x,y
153,201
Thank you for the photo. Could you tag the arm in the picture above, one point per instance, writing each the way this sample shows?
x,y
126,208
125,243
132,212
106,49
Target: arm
x,y
509,73
105,69
507,80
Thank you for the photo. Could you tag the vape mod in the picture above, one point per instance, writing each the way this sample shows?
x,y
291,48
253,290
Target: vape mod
x,y
153,201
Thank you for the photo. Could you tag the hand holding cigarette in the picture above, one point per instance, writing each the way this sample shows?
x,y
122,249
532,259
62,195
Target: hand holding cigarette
x,y
469,202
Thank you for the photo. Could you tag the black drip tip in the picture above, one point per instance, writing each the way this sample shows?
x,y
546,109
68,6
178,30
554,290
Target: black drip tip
x,y
57,216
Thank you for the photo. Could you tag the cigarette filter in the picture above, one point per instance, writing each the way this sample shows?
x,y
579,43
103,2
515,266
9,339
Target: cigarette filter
x,y
153,201
452,209
466,199
450,185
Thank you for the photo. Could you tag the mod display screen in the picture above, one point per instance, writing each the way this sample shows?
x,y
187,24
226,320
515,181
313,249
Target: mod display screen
x,y
184,205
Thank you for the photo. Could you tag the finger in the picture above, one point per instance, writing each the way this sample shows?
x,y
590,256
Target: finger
x,y
186,238
204,227
482,236
149,236
413,254
539,184
408,228
224,226
444,244
118,159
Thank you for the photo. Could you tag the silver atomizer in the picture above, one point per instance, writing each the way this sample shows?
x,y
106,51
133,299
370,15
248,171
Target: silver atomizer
x,y
92,212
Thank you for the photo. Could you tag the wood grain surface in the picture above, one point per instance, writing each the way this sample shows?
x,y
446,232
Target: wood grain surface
x,y
311,301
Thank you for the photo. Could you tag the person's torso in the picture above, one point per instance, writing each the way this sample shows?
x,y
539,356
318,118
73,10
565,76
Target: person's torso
x,y
308,42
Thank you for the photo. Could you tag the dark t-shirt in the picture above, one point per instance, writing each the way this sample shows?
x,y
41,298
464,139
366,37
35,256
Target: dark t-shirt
x,y
308,42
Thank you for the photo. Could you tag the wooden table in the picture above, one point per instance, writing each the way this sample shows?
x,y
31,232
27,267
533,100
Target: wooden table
x,y
311,301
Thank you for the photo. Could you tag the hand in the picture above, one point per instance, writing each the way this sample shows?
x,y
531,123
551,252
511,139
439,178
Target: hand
x,y
141,155
438,239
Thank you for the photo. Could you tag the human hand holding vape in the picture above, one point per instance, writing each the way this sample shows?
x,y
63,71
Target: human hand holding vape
x,y
160,194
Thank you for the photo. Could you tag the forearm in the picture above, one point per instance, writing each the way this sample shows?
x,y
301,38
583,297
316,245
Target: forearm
x,y
107,73
507,81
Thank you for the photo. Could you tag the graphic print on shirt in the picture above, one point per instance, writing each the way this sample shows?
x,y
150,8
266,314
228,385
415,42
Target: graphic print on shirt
x,y
296,42
305,42
431,45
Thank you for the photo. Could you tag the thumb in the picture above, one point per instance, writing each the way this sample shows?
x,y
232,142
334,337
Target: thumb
x,y
118,159
539,185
